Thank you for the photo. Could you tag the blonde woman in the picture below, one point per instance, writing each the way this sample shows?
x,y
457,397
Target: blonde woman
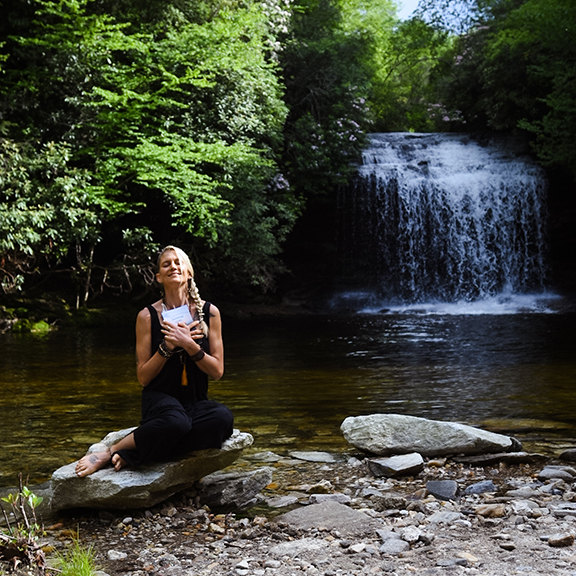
x,y
174,360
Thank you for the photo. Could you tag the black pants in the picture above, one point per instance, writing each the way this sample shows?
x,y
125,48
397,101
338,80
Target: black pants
x,y
169,430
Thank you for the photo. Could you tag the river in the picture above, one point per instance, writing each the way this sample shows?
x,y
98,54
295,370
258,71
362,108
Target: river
x,y
291,380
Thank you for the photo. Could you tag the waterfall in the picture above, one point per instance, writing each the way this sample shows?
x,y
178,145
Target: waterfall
x,y
443,218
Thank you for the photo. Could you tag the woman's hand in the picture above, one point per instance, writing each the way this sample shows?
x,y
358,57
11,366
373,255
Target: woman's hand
x,y
180,335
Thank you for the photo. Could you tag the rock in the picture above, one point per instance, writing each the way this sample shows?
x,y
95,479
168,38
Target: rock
x,y
314,457
331,516
226,492
568,455
395,466
387,434
336,497
282,501
142,487
481,487
443,489
303,548
389,501
491,510
394,546
507,457
566,473
561,540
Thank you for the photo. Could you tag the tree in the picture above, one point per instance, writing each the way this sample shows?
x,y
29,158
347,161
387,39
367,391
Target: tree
x,y
175,122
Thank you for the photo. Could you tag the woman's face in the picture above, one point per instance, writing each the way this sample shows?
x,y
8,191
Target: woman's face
x,y
170,270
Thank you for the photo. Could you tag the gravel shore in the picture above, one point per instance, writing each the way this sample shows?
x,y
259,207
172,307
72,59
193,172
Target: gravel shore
x,y
524,524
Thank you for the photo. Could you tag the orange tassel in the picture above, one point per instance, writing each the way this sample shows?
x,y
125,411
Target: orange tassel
x,y
184,376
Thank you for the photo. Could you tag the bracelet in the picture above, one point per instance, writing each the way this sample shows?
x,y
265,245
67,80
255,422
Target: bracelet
x,y
164,350
198,356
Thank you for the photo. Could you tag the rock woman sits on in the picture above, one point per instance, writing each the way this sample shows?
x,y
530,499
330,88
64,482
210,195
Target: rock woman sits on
x,y
175,355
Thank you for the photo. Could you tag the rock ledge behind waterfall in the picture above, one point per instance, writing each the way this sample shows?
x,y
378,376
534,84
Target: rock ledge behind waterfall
x,y
142,487
387,434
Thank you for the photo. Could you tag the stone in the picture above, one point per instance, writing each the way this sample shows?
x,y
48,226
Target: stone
x,y
568,455
481,487
330,516
389,501
303,548
561,540
388,434
231,491
491,510
282,501
443,489
336,497
566,473
395,466
314,457
142,487
394,547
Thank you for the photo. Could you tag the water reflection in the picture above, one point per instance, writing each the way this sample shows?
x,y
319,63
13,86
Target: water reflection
x,y
291,381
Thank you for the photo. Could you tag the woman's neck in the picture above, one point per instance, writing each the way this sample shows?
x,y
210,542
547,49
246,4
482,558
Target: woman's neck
x,y
174,299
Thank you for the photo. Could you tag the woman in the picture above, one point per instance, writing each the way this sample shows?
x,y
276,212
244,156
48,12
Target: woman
x,y
174,360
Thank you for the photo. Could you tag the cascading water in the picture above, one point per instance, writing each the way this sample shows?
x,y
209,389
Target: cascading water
x,y
443,218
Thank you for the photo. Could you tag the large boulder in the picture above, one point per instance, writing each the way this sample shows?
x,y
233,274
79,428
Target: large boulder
x,y
387,434
140,487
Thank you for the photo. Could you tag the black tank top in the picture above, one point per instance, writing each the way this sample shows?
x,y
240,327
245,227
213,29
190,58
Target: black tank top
x,y
169,381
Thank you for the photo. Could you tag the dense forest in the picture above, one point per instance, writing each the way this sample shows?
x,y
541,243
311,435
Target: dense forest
x,y
223,125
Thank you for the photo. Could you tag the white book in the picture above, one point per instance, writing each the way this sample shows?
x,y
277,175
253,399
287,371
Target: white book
x,y
176,315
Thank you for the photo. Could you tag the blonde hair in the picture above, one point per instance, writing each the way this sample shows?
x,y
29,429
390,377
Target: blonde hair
x,y
192,289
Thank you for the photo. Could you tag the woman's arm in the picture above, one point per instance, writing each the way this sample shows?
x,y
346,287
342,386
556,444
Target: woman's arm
x,y
148,365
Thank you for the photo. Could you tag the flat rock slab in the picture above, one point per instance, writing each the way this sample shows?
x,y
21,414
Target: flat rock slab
x,y
389,434
142,487
331,515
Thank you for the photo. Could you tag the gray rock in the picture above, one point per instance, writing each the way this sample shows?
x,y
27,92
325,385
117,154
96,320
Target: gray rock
x,y
282,501
394,546
566,473
142,487
331,516
395,466
305,547
386,535
443,489
481,487
227,492
314,457
444,517
387,434
336,497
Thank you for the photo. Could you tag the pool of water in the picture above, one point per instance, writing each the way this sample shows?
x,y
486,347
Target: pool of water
x,y
290,381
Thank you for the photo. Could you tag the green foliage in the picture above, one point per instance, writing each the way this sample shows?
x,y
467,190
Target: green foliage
x,y
327,84
77,560
46,207
172,125
514,71
19,541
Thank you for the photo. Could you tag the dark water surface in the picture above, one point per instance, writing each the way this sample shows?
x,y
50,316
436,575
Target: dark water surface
x,y
290,381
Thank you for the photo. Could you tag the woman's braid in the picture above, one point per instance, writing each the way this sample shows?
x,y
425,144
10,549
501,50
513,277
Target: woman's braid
x,y
194,295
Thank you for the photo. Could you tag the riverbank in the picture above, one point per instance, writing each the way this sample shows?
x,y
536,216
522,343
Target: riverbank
x,y
353,524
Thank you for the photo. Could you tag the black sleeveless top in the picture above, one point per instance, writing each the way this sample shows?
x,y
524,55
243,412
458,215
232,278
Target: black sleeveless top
x,y
169,381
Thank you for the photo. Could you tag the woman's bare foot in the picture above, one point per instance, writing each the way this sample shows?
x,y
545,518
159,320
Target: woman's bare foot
x,y
91,463
118,462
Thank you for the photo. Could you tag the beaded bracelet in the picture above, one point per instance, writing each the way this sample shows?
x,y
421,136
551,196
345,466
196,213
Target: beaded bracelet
x,y
198,356
164,350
